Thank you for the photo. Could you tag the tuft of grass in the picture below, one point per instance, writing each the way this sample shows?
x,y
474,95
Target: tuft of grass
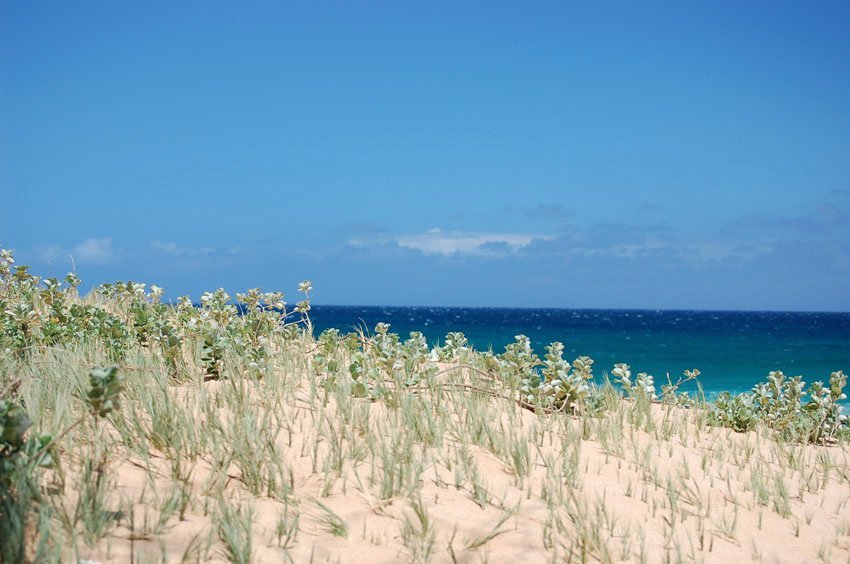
x,y
234,525
331,521
418,534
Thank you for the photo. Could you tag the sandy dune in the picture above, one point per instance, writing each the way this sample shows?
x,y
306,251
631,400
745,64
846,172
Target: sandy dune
x,y
454,475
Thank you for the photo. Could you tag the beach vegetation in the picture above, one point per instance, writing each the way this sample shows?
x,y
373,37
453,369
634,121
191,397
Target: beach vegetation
x,y
133,428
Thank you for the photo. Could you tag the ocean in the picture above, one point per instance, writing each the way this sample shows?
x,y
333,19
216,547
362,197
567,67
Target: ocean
x,y
732,350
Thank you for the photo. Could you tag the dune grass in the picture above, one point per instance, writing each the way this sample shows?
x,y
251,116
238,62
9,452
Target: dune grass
x,y
239,436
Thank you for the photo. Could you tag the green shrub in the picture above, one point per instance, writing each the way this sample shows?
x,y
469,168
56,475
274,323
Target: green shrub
x,y
559,386
778,404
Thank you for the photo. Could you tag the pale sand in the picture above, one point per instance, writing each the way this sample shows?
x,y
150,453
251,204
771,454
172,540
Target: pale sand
x,y
707,476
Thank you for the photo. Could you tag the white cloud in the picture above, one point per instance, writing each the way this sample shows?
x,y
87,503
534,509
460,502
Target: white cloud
x,y
449,243
622,242
94,250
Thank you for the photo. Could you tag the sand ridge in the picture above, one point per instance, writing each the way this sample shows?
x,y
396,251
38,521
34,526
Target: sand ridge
x,y
449,475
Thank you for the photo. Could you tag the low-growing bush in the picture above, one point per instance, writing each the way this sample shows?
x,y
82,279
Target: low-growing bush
x,y
560,386
778,403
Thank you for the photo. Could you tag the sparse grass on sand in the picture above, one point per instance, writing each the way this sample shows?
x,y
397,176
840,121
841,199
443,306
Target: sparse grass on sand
x,y
331,451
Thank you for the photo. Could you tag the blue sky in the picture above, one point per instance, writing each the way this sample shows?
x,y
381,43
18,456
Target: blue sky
x,y
587,154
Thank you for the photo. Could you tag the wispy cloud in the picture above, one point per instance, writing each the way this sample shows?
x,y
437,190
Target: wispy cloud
x,y
50,253
624,250
189,257
548,211
718,254
89,251
656,244
824,219
457,243
170,249
94,250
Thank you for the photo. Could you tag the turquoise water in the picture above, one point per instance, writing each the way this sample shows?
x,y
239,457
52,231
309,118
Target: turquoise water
x,y
732,350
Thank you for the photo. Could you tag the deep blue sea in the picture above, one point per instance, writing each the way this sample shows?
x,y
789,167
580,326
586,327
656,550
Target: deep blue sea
x,y
732,350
